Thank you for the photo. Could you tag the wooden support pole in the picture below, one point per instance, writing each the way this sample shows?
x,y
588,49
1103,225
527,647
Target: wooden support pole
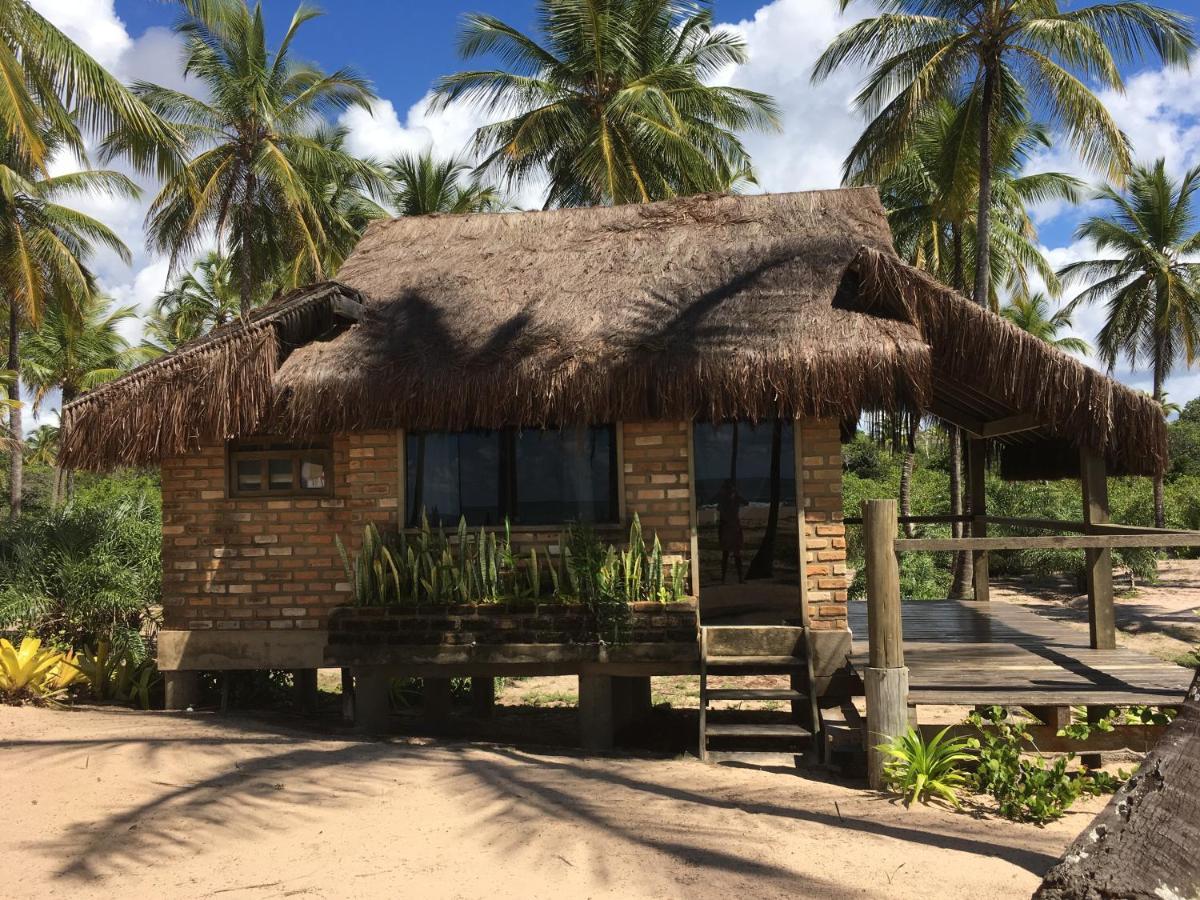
x,y
347,695
1101,618
182,689
977,449
483,696
886,677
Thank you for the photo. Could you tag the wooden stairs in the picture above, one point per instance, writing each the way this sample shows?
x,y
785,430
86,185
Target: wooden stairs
x,y
739,652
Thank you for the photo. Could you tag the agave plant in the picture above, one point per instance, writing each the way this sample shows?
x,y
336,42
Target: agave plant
x,y
921,770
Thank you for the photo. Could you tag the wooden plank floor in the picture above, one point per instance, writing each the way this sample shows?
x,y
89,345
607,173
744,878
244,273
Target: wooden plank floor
x,y
963,653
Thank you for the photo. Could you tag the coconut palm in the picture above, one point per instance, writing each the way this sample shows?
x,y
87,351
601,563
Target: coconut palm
x,y
610,100
426,185
255,146
998,56
1032,313
202,299
78,346
1145,275
41,446
51,86
931,194
44,246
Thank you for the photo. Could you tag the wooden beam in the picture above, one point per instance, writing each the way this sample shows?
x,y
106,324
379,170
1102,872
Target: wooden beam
x,y
345,308
1051,542
801,518
1011,425
1093,479
977,491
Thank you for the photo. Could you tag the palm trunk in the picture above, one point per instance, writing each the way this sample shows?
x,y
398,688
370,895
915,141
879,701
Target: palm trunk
x,y
906,474
983,214
64,479
962,572
1160,507
1142,844
246,300
16,471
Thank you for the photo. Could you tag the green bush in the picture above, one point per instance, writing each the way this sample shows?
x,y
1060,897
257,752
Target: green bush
x,y
87,572
921,770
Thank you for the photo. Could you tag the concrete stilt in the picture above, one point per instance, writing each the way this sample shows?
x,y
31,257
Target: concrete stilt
x,y
372,701
304,688
437,699
483,696
596,712
182,689
630,700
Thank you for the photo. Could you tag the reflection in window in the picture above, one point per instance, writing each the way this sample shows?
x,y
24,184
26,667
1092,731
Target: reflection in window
x,y
268,466
531,476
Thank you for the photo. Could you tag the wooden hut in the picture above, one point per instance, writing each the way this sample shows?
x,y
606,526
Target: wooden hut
x,y
479,341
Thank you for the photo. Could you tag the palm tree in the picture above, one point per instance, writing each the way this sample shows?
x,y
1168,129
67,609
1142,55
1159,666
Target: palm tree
x,y
931,193
43,248
256,145
1145,277
611,100
51,86
998,56
425,185
77,347
204,298
1031,313
41,447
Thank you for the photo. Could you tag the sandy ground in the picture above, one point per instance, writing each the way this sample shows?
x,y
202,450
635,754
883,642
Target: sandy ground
x,y
103,802
1161,619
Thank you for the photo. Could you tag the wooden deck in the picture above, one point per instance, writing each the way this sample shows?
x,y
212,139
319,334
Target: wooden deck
x,y
966,653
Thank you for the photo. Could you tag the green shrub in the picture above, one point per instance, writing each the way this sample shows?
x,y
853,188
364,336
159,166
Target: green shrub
x,y
86,572
924,770
1025,789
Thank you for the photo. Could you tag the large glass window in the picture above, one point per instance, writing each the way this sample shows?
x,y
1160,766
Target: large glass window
x,y
531,476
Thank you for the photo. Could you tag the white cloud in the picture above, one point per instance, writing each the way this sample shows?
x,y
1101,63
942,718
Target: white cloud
x,y
93,24
784,39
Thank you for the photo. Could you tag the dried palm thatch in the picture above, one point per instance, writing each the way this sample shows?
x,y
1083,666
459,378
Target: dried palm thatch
x,y
712,307
709,306
973,347
216,387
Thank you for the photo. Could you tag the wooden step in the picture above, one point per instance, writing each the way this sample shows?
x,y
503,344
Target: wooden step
x,y
753,665
743,729
754,694
755,640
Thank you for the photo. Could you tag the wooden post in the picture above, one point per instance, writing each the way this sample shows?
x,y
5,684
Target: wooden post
x,y
1101,620
886,676
347,695
977,489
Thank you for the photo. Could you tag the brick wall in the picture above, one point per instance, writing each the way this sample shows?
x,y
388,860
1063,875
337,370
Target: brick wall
x,y
824,533
657,461
267,563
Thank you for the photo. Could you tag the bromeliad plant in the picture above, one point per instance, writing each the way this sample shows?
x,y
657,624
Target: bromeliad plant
x,y
31,672
923,770
427,566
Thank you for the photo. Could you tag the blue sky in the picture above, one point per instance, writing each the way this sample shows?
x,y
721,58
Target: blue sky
x,y
404,45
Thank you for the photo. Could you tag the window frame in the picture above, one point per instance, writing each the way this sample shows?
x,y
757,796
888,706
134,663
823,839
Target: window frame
x,y
296,452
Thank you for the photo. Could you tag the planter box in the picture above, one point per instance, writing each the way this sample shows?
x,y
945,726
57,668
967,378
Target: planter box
x,y
360,634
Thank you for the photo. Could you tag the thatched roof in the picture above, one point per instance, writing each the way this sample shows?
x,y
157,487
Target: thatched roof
x,y
715,307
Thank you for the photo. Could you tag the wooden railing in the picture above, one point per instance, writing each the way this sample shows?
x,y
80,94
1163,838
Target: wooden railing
x,y
886,677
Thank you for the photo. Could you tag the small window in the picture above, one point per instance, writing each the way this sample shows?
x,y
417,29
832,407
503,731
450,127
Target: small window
x,y
273,468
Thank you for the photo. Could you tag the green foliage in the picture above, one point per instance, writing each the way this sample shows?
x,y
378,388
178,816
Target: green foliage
x,y
865,458
86,572
428,566
924,770
117,675
1025,789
